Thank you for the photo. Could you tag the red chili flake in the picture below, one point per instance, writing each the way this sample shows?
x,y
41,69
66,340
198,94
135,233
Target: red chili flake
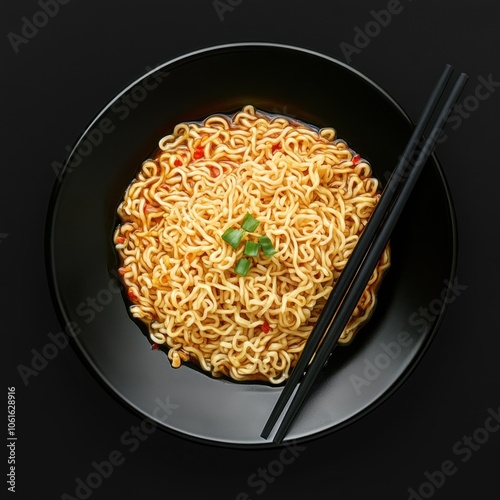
x,y
122,270
276,147
265,327
132,295
214,171
177,162
198,153
356,159
164,186
155,347
120,239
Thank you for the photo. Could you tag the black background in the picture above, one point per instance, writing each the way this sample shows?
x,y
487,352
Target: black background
x,y
67,72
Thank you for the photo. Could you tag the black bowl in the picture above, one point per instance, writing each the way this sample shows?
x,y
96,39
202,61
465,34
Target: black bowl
x,y
82,263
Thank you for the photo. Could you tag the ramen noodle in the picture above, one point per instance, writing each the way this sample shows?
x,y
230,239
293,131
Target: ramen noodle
x,y
311,197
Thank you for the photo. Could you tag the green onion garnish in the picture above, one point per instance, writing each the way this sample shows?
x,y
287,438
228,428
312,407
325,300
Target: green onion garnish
x,y
267,246
242,267
251,249
233,237
249,223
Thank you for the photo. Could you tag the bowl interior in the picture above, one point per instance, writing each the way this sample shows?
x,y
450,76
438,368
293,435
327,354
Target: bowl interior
x,y
82,262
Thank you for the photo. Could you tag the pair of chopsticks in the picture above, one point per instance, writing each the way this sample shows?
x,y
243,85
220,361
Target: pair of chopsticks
x,y
366,254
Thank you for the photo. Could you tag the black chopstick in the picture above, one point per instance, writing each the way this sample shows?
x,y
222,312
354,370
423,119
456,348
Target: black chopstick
x,y
347,275
364,258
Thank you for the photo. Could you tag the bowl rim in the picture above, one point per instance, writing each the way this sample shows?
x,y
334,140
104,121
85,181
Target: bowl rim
x,y
51,265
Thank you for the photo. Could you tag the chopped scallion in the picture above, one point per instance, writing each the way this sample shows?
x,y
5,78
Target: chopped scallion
x,y
251,249
233,237
249,223
242,267
267,246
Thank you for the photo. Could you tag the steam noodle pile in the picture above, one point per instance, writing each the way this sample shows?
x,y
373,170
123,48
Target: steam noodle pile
x,y
312,196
